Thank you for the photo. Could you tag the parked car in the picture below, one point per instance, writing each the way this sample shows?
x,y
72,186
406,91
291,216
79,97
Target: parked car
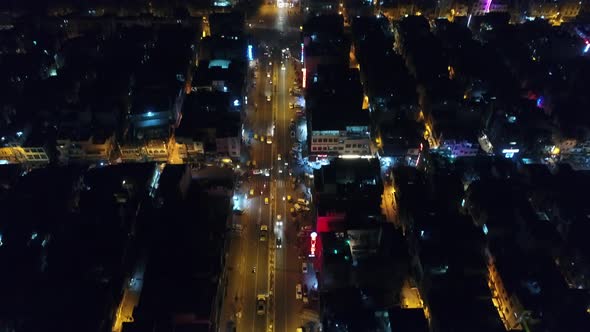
x,y
302,201
261,305
298,292
304,267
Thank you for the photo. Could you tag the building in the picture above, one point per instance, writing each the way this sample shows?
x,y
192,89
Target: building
x,y
210,126
337,123
154,112
85,147
318,7
226,78
324,43
227,25
400,141
452,130
176,295
347,189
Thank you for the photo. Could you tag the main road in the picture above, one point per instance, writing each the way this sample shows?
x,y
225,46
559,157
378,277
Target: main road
x,y
257,267
279,29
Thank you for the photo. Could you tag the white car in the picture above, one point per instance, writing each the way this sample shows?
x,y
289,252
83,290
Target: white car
x,y
298,292
279,156
268,140
279,220
267,98
304,267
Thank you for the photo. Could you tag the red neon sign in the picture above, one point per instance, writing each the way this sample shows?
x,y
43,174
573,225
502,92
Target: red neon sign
x,y
313,240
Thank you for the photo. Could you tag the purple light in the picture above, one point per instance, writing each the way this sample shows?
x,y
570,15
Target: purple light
x,y
488,5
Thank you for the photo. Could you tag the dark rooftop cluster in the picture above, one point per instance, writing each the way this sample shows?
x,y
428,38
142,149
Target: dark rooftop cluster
x,y
67,237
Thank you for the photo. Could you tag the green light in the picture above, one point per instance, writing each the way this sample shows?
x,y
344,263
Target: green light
x,y
346,257
347,241
335,251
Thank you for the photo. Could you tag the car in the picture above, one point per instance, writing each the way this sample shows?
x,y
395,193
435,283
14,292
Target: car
x,y
265,200
262,138
268,75
291,105
304,267
279,219
305,299
251,192
302,201
256,136
263,232
298,292
292,133
279,156
279,242
260,305
292,210
267,98
289,199
268,140
253,163
283,67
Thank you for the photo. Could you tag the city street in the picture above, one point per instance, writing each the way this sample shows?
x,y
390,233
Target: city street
x,y
271,268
